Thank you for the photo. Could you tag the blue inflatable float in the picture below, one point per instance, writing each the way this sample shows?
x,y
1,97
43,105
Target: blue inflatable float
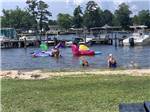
x,y
98,52
41,54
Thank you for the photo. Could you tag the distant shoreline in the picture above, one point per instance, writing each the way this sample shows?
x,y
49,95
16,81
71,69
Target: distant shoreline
x,y
45,74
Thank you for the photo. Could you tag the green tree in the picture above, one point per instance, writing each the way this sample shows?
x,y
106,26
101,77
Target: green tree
x,y
144,17
115,21
17,18
123,15
38,9
32,9
92,15
64,20
107,17
135,20
78,19
43,14
52,22
32,5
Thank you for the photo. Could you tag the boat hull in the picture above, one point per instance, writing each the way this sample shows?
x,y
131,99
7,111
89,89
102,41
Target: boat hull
x,y
145,41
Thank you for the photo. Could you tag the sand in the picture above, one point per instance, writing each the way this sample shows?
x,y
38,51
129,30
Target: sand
x,y
40,74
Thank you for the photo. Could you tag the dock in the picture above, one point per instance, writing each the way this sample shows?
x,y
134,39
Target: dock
x,y
102,41
36,43
17,43
25,43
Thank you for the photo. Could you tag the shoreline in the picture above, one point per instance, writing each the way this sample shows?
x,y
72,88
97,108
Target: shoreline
x,y
45,74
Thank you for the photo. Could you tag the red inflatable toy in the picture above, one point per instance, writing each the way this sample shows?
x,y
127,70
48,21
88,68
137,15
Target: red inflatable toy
x,y
77,52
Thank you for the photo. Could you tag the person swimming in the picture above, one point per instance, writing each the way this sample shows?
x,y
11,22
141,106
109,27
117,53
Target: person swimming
x,y
84,62
111,61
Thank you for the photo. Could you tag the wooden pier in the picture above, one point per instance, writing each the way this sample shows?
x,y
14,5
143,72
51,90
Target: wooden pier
x,y
26,43
18,43
36,43
102,41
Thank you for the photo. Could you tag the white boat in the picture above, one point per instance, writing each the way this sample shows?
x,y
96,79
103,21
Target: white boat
x,y
138,37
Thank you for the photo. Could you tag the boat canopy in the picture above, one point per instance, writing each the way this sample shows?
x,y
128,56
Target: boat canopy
x,y
105,27
138,26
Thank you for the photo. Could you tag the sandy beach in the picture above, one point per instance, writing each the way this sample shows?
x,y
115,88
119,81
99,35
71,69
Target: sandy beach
x,y
43,74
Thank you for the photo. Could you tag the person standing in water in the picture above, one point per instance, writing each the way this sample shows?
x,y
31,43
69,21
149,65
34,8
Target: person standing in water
x,y
55,52
111,61
84,62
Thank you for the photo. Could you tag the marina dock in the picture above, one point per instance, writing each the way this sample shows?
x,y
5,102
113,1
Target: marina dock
x,y
23,43
36,43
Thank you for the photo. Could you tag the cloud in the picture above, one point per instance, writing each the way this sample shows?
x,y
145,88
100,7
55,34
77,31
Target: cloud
x,y
77,2
133,7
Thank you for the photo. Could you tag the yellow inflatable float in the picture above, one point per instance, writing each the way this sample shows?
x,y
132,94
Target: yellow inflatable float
x,y
83,48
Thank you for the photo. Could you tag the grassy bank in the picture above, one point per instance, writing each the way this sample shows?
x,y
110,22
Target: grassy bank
x,y
73,94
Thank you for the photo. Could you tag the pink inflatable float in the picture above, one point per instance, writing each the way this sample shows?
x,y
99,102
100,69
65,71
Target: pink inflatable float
x,y
77,52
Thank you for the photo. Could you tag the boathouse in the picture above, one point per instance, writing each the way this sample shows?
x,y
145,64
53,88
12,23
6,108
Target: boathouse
x,y
8,33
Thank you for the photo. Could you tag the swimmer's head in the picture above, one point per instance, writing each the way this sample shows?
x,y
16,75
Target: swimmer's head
x,y
110,55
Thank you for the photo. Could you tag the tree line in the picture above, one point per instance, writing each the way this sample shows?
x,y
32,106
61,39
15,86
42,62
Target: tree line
x,y
37,16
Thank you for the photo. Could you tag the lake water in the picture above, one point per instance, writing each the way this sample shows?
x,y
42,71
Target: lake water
x,y
21,58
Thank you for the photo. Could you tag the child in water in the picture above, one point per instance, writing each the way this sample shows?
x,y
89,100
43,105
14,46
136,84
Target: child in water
x,y
111,61
84,62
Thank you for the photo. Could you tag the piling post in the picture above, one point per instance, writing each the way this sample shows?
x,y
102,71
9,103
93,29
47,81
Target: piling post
x,y
19,44
110,41
120,42
115,40
25,43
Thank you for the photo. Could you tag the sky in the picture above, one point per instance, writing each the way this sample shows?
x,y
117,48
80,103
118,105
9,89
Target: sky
x,y
68,6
